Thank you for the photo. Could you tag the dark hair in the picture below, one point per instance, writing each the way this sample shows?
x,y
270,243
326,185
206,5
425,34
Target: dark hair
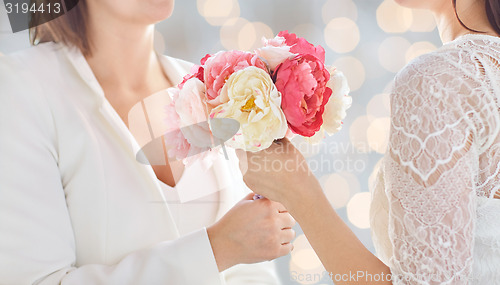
x,y
70,29
492,11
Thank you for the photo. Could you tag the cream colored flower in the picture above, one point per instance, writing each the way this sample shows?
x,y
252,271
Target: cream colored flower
x,y
250,97
340,101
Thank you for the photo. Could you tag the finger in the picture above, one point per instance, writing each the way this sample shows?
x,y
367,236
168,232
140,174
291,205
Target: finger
x,y
278,206
287,236
284,140
287,146
287,221
285,249
249,196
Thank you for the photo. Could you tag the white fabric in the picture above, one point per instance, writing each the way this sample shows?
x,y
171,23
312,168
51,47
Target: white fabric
x,y
434,218
75,205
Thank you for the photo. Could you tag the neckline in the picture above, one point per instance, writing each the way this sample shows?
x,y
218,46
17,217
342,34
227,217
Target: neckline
x,y
82,67
168,186
475,37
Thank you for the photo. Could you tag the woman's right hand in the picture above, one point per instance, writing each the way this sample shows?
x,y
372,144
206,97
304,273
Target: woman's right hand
x,y
252,231
280,173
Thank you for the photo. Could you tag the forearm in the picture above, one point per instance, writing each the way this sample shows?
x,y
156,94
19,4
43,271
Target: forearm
x,y
339,249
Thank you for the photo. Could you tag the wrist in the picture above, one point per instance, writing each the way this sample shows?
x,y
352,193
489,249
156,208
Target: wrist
x,y
221,248
301,202
304,196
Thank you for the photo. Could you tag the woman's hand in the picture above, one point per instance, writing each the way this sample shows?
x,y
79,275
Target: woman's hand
x,y
279,173
252,231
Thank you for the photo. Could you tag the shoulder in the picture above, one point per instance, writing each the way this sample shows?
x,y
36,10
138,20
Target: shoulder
x,y
35,58
22,76
28,67
441,65
434,91
447,75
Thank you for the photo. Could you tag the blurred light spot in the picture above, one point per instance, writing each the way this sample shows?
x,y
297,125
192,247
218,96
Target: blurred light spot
x,y
337,190
342,35
352,179
373,176
306,277
232,37
358,210
247,37
353,69
392,53
260,30
305,147
305,262
388,87
418,49
339,8
393,18
357,134
159,42
301,242
423,21
217,12
379,106
306,259
378,134
310,32
369,52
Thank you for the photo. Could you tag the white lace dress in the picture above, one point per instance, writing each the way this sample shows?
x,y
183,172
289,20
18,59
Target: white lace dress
x,y
435,213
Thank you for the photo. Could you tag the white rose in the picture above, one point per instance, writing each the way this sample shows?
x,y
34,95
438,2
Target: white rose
x,y
274,52
251,98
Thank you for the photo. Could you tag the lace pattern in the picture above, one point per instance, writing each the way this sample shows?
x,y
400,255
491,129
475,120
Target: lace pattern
x,y
443,157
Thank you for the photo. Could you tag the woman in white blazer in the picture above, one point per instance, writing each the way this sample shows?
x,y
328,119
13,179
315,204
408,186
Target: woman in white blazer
x,y
76,206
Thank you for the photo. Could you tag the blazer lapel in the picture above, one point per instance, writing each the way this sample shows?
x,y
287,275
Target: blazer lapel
x,y
111,117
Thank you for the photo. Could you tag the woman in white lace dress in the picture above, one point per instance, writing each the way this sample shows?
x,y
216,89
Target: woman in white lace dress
x,y
435,214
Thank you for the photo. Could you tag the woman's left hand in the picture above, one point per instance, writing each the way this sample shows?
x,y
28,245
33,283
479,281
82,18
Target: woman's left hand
x,y
279,173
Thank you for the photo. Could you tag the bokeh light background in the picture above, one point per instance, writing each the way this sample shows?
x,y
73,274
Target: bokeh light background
x,y
368,40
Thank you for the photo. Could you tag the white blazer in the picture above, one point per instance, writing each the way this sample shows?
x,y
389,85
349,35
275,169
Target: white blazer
x,y
75,205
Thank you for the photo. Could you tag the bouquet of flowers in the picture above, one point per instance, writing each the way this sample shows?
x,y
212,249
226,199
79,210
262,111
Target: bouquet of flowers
x,y
249,99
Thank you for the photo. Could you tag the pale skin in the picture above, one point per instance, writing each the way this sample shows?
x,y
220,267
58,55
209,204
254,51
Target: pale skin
x,y
296,187
127,67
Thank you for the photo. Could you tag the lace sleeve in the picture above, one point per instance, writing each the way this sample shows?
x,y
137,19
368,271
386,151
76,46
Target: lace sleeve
x,y
429,175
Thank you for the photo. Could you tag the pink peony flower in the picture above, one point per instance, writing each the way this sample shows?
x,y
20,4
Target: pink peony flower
x,y
186,141
177,145
195,72
204,59
302,83
193,113
219,67
301,46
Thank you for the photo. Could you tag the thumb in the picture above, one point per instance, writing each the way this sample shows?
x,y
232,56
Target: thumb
x,y
249,196
243,160
284,143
